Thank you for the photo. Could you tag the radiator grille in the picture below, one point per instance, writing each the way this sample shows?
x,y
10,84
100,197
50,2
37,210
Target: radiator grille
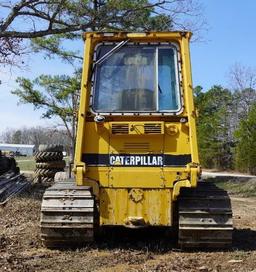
x,y
153,128
136,146
120,129
137,128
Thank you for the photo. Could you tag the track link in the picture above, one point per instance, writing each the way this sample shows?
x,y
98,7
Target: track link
x,y
205,217
67,215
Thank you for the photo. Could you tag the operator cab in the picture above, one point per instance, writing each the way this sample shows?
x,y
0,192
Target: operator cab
x,y
136,78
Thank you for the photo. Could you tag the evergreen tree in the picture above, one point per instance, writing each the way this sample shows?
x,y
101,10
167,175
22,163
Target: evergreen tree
x,y
57,95
51,23
213,127
246,143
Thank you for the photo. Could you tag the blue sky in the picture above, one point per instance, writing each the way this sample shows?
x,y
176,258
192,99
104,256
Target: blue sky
x,y
231,38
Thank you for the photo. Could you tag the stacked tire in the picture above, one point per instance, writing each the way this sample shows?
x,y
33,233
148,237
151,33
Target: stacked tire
x,y
49,161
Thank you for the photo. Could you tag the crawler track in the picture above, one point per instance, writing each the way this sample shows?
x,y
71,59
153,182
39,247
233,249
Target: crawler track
x,y
67,215
205,217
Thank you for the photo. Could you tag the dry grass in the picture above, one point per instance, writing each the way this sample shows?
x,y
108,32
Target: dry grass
x,y
245,187
21,249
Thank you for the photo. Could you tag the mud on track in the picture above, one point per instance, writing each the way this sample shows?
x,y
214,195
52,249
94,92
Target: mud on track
x,y
119,250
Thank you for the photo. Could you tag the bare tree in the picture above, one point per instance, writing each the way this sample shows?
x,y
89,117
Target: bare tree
x,y
243,83
37,136
6,136
242,77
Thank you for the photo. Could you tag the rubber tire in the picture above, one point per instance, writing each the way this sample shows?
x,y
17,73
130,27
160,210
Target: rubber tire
x,y
47,180
48,156
46,172
51,165
50,148
40,179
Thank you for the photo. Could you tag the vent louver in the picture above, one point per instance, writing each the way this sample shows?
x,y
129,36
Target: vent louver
x,y
153,128
120,129
136,146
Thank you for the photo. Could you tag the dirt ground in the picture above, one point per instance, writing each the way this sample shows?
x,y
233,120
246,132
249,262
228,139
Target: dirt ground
x,y
21,249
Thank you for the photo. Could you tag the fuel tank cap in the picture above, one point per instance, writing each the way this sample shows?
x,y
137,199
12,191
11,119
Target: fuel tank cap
x,y
99,118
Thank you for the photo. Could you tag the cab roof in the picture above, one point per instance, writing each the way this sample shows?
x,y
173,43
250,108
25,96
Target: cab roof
x,y
138,35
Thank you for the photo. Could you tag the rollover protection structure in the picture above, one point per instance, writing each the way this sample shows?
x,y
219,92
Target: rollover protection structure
x,y
136,158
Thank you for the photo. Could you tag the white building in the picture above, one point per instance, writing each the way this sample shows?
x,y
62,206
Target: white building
x,y
23,149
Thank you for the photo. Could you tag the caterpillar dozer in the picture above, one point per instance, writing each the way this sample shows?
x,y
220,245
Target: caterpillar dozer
x,y
136,158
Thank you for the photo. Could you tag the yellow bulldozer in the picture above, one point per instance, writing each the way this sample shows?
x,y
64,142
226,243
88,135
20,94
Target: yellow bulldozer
x,y
136,158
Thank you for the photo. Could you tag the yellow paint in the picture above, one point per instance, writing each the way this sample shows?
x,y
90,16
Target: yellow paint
x,y
99,138
187,77
125,177
178,185
119,207
85,88
137,195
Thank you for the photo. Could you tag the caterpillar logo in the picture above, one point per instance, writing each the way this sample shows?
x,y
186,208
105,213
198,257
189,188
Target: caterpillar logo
x,y
143,160
136,160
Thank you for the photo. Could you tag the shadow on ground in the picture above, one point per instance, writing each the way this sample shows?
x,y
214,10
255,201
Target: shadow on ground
x,y
244,239
164,240
150,239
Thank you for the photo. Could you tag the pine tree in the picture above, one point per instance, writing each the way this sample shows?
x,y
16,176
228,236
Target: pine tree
x,y
246,143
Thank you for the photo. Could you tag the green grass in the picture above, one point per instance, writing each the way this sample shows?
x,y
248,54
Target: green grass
x,y
23,158
26,163
245,187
